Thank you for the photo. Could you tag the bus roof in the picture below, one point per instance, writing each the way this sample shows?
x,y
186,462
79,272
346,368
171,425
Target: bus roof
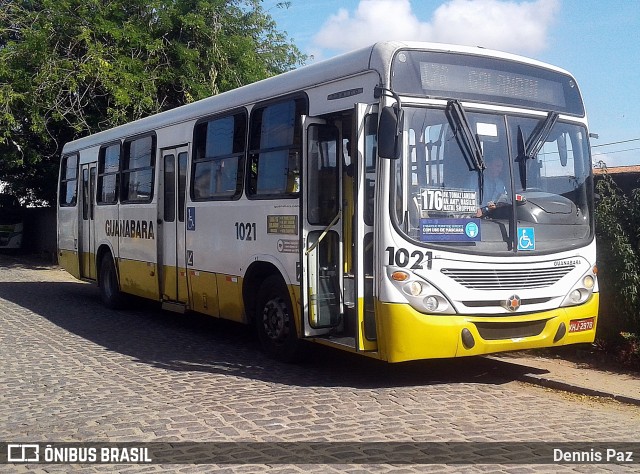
x,y
376,57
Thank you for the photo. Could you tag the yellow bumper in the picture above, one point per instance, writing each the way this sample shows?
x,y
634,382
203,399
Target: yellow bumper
x,y
405,334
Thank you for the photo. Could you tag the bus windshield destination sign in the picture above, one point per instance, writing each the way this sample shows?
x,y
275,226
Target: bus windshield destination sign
x,y
484,79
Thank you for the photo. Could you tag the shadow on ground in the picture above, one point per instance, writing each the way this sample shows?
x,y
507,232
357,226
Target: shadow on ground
x,y
195,342
585,356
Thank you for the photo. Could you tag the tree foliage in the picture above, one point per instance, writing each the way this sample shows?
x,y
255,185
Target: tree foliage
x,y
618,232
69,68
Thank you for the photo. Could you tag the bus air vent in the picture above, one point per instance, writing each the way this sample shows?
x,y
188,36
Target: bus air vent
x,y
507,279
496,331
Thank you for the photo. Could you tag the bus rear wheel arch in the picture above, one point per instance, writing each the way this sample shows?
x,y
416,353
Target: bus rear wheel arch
x,y
108,283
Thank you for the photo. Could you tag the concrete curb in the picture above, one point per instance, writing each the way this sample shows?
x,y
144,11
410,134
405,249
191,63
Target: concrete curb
x,y
561,375
573,388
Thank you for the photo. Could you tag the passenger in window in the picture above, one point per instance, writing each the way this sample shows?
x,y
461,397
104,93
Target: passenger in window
x,y
202,181
229,170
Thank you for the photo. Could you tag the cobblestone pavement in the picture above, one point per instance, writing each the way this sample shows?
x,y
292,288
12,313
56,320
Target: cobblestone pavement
x,y
74,371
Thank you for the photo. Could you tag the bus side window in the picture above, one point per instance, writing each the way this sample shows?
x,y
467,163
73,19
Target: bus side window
x,y
86,197
69,181
182,184
275,149
219,161
137,169
323,179
108,172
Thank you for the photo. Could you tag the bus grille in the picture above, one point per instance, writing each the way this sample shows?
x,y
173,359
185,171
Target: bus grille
x,y
495,279
497,331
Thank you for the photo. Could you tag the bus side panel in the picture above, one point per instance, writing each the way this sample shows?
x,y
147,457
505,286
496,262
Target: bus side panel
x,y
138,278
138,252
174,278
85,263
225,238
68,260
204,292
230,297
107,229
68,240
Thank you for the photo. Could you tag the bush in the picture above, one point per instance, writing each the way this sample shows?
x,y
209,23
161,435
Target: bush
x,y
618,234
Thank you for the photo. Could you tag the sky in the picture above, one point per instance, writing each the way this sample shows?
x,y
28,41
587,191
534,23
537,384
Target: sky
x,y
598,41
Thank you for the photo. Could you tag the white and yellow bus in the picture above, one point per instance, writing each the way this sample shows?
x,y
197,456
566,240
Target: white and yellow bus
x,y
350,203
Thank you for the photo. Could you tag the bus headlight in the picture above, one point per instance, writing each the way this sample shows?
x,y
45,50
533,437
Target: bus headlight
x,y
575,296
431,303
588,281
437,304
413,288
581,291
420,294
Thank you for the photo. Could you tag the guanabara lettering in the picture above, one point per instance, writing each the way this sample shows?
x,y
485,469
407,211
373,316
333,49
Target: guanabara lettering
x,y
130,228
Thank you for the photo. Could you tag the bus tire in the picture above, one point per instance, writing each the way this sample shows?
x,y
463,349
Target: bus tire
x,y
110,292
275,322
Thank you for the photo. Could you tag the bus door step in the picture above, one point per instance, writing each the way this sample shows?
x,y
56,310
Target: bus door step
x,y
341,340
174,306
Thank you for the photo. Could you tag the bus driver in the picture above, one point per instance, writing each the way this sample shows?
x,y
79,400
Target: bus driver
x,y
494,187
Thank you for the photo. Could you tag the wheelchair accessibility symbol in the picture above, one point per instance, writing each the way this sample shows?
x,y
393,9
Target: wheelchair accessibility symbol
x,y
526,238
191,218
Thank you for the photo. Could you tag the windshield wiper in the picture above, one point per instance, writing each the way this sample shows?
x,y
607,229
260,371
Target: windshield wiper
x,y
530,149
467,140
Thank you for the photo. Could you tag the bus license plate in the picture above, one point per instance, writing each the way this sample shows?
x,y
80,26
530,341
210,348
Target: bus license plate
x,y
581,325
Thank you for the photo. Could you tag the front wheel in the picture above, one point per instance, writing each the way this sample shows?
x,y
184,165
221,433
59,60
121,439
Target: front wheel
x,y
275,321
110,292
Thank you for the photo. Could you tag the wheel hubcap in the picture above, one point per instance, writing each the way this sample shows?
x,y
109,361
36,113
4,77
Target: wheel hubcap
x,y
275,319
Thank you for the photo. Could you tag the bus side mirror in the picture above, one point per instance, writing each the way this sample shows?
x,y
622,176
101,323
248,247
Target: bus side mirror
x,y
389,133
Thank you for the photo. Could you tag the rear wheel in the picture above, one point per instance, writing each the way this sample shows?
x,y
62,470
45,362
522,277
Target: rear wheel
x,y
110,292
275,321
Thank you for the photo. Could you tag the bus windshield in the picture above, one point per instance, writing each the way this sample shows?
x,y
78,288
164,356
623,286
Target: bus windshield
x,y
527,188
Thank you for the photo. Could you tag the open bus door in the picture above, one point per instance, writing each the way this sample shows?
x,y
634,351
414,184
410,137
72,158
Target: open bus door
x,y
337,214
366,120
321,228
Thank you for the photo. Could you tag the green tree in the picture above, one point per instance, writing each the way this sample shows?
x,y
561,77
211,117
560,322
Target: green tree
x,y
69,68
618,233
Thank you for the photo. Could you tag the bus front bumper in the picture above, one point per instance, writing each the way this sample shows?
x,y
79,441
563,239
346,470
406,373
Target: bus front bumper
x,y
405,334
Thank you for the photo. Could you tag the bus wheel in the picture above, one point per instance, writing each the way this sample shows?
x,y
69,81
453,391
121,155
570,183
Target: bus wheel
x,y
275,322
110,292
